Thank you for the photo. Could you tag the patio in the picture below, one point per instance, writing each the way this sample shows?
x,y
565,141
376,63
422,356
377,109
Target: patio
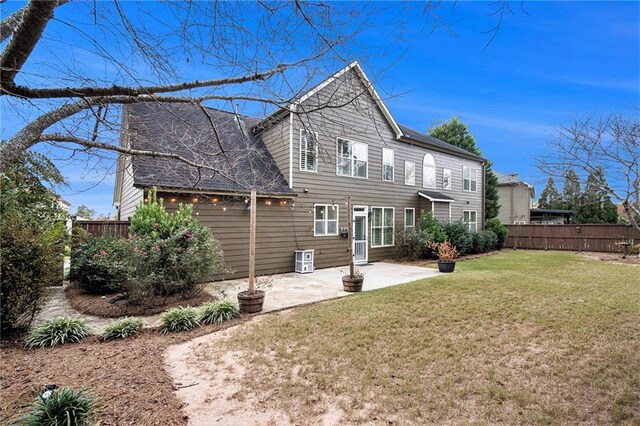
x,y
293,289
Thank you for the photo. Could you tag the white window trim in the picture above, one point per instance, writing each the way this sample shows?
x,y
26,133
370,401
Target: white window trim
x,y
352,161
405,218
393,227
393,165
469,223
444,170
470,180
300,152
405,173
327,206
435,172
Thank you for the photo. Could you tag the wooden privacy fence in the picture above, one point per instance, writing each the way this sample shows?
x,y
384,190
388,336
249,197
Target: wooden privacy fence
x,y
605,238
112,228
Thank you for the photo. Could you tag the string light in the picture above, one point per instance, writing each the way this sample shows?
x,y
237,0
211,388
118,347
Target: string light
x,y
173,200
268,202
215,200
195,199
246,200
224,209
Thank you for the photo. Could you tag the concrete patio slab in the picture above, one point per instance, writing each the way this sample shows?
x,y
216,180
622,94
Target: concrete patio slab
x,y
293,289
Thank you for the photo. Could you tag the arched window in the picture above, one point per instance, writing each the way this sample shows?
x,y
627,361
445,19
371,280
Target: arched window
x,y
428,171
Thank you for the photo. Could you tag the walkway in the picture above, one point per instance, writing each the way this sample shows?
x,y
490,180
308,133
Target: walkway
x,y
292,289
284,291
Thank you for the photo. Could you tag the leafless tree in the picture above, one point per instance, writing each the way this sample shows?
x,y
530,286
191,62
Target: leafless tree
x,y
610,143
250,53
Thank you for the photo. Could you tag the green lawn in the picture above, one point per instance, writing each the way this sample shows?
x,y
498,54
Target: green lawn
x,y
519,337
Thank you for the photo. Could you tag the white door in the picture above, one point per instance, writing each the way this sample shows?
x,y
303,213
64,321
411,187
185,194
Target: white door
x,y
360,235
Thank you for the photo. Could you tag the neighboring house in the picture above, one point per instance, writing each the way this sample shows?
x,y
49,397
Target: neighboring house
x,y
337,140
550,216
515,199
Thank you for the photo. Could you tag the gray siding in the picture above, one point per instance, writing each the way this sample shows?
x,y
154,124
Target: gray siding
x,y
363,122
130,195
276,138
515,204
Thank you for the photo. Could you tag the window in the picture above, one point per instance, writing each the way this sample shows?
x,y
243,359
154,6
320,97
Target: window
x,y
325,220
409,219
428,171
470,179
352,159
308,151
387,164
382,226
446,178
471,218
409,173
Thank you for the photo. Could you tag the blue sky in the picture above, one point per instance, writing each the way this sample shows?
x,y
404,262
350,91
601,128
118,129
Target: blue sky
x,y
552,62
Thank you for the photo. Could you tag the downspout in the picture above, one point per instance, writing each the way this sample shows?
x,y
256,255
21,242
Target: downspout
x,y
291,148
484,193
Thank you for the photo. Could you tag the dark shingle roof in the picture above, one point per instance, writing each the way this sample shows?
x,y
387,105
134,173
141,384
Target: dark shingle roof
x,y
211,137
422,137
435,196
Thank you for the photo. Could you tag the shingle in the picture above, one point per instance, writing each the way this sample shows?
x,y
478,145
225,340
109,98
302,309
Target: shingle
x,y
422,137
211,137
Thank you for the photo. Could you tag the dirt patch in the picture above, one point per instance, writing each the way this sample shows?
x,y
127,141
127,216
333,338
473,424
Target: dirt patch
x,y
91,304
613,257
127,375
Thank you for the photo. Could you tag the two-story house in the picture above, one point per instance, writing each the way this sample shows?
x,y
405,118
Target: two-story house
x,y
337,140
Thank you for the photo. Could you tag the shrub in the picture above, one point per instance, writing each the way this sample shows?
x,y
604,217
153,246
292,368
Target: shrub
x,y
100,265
63,406
430,225
58,331
178,319
459,235
499,229
32,239
444,251
22,290
483,241
172,253
122,328
412,245
219,312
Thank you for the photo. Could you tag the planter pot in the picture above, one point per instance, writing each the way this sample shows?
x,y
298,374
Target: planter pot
x,y
352,284
446,265
251,303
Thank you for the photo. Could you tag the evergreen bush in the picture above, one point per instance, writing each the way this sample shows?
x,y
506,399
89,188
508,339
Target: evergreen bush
x,y
499,229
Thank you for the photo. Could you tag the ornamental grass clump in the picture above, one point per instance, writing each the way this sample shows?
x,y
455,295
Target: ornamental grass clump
x,y
58,331
219,312
122,328
178,319
63,406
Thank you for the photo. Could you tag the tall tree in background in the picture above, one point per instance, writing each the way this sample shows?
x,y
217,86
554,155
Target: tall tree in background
x,y
550,197
607,149
595,204
457,133
85,212
571,191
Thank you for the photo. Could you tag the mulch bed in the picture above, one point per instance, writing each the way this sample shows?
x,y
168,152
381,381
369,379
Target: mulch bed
x,y
92,304
426,262
127,375
613,257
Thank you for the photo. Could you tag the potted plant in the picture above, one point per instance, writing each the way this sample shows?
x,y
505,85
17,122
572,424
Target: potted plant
x,y
352,282
446,253
251,300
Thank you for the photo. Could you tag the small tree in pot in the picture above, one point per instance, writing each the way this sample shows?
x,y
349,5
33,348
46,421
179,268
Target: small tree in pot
x,y
251,300
446,253
353,281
